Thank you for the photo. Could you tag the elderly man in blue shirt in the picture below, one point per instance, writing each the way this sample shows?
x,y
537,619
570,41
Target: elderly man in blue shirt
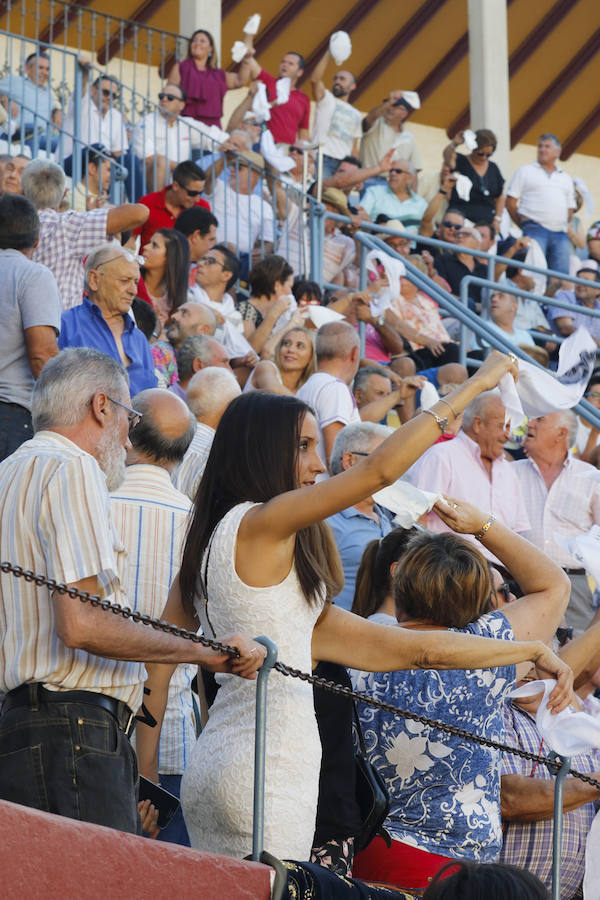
x,y
103,321
32,93
396,199
357,526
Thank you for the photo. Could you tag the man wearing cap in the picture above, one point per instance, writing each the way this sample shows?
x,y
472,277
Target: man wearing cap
x,y
243,215
338,249
383,129
338,124
541,201
396,199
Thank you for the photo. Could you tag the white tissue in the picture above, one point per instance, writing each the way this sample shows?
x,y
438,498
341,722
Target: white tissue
x,y
394,270
340,46
273,155
284,86
238,51
469,139
463,186
585,548
407,502
260,104
253,24
568,732
429,395
321,315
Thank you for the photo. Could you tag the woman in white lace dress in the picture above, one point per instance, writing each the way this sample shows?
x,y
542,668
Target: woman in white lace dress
x,y
270,566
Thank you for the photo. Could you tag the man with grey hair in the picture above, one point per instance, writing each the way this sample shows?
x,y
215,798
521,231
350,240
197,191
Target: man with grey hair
x,y
102,320
199,351
396,199
66,237
150,518
562,499
541,201
337,349
72,673
473,467
209,393
357,526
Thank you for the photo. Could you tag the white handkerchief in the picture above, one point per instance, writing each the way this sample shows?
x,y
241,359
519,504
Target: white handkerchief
x,y
429,395
260,104
568,732
321,315
463,186
407,502
469,138
253,24
273,155
585,548
539,392
238,51
591,878
340,46
394,270
284,86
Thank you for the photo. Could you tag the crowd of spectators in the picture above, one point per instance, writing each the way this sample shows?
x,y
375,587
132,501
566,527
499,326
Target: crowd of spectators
x,y
172,386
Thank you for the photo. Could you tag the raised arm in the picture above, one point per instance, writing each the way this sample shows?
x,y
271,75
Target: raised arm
x,y
537,614
237,116
280,518
373,114
126,217
343,180
316,79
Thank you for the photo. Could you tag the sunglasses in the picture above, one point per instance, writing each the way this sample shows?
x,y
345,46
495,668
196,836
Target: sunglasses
x,y
133,416
482,154
400,171
106,92
452,225
563,635
163,96
504,591
594,395
188,191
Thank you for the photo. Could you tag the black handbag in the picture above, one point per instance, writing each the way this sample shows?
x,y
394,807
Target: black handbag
x,y
371,794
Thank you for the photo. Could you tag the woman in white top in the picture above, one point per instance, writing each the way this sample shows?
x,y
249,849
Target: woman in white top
x,y
268,560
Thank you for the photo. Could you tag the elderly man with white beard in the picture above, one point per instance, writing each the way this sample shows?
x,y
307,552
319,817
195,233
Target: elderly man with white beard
x,y
72,673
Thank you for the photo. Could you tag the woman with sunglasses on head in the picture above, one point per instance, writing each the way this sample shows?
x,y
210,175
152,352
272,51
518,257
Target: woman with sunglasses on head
x,y
259,554
445,791
204,83
486,198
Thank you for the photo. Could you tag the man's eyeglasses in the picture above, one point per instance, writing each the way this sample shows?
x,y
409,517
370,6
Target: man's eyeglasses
x,y
211,261
133,416
106,92
399,171
452,225
359,453
189,192
163,96
594,395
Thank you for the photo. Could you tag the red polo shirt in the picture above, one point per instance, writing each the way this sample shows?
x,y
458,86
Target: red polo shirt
x,y
288,118
159,217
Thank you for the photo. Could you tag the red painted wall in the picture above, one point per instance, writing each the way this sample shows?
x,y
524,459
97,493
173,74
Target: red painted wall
x,y
43,857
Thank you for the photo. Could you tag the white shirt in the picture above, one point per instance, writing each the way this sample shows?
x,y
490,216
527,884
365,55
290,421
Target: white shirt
x,y
94,128
332,401
150,518
55,519
230,332
242,217
187,477
544,197
380,138
173,137
569,508
454,468
337,125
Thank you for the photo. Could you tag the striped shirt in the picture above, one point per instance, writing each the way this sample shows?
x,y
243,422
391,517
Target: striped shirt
x,y
187,477
528,845
55,519
150,517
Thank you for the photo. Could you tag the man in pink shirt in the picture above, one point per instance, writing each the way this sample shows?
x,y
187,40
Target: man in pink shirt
x,y
290,121
473,467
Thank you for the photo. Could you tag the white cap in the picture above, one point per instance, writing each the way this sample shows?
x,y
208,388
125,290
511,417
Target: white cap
x,y
412,98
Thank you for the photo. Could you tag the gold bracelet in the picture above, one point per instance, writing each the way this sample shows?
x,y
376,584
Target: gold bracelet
x,y
449,405
441,421
484,530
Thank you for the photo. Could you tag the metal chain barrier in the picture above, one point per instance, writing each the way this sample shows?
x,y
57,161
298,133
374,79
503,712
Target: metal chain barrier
x,y
283,669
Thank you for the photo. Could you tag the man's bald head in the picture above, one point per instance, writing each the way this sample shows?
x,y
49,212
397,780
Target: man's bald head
x,y
336,340
210,392
189,319
165,430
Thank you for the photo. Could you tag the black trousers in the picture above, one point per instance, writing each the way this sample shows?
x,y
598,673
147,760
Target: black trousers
x,y
15,427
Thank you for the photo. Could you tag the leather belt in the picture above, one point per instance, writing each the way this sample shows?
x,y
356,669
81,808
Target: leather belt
x,y
35,693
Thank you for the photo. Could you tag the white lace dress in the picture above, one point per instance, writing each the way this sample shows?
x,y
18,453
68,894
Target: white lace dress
x,y
217,785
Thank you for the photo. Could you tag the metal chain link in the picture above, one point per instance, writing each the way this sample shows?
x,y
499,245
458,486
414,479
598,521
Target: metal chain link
x,y
283,669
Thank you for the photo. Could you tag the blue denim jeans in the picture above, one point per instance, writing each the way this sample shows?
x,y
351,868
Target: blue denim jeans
x,y
71,759
555,245
175,832
15,427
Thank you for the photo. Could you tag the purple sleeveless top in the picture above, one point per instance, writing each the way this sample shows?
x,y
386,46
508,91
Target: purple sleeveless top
x,y
205,90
